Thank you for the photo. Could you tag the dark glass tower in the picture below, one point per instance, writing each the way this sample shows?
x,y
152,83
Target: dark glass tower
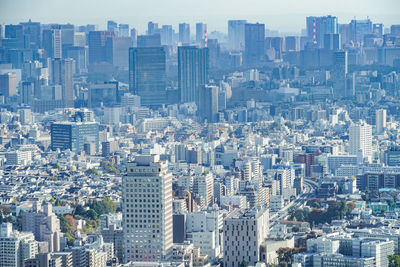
x,y
147,74
192,72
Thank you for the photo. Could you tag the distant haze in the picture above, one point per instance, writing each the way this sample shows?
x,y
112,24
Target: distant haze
x,y
284,15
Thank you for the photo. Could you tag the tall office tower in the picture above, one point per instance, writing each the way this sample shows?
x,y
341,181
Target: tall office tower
x,y
377,28
147,75
79,55
184,33
32,33
201,29
167,34
339,74
318,26
123,30
15,35
236,34
152,28
27,93
192,72
134,35
1,31
208,103
52,43
360,140
395,29
380,120
278,44
112,26
16,247
332,41
147,209
44,224
244,231
62,72
99,48
8,84
254,43
121,47
359,28
292,43
149,40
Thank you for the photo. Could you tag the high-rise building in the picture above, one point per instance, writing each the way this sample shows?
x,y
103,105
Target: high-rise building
x,y
317,27
147,75
15,247
149,40
292,43
380,120
152,28
332,41
74,135
27,93
134,37
123,30
112,26
359,28
244,231
201,30
52,43
14,37
147,209
167,35
254,43
44,224
360,140
184,33
236,34
192,72
100,46
339,74
8,84
32,33
62,71
208,103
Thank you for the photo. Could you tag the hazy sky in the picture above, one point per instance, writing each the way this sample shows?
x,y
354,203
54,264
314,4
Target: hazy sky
x,y
283,15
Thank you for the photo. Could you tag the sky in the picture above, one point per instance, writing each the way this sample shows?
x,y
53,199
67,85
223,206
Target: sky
x,y
282,15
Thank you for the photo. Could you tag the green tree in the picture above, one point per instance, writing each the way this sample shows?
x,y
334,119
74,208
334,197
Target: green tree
x,y
244,263
394,260
92,214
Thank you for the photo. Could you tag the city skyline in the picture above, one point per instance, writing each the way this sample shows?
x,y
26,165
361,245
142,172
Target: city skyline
x,y
287,15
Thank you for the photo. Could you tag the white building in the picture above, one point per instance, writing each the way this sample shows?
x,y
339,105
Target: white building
x,y
16,246
360,140
147,209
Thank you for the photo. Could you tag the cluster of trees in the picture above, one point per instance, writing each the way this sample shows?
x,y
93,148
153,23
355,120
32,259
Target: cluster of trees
x,y
335,211
394,261
5,215
95,209
285,255
109,167
90,212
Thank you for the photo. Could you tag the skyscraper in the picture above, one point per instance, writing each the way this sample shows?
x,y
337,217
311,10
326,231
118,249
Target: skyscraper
x,y
360,140
147,74
184,33
152,28
254,43
317,27
98,50
112,26
380,120
236,34
32,32
149,40
8,84
192,72
62,74
147,209
332,41
52,43
167,34
339,74
201,30
359,28
208,103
